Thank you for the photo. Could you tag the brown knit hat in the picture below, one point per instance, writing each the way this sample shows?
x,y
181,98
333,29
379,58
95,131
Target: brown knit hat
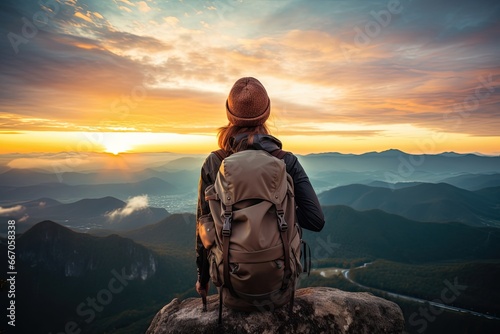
x,y
248,103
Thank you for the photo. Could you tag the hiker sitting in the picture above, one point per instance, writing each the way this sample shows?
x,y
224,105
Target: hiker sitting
x,y
295,205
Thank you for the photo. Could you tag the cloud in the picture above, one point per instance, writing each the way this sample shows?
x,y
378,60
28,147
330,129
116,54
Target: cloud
x,y
24,218
75,158
143,6
12,210
422,64
55,165
134,204
126,41
127,2
83,17
65,78
125,9
171,20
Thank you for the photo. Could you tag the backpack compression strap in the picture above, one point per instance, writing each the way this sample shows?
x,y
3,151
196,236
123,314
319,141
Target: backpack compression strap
x,y
283,227
226,234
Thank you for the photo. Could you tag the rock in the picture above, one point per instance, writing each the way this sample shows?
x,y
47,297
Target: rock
x,y
316,310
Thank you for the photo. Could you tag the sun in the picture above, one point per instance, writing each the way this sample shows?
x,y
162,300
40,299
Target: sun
x,y
117,143
116,148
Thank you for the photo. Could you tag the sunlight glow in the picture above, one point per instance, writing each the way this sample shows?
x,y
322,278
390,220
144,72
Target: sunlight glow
x,y
116,148
117,143
353,139
133,142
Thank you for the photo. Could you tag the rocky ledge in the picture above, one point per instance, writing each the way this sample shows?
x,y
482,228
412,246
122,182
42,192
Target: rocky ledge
x,y
316,310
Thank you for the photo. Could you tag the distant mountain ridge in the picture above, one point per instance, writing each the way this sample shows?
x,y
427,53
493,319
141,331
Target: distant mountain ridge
x,y
422,202
472,181
180,176
392,160
349,233
174,230
169,172
64,192
101,213
79,253
328,170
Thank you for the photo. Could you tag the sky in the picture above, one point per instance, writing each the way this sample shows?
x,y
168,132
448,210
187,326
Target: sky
x,y
348,76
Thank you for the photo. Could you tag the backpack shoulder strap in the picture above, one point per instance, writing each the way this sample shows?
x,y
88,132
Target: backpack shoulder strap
x,y
279,153
221,154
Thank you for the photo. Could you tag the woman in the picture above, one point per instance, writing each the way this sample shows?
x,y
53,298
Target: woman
x,y
248,107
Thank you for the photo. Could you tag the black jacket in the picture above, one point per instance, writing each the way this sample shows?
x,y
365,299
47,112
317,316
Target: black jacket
x,y
309,213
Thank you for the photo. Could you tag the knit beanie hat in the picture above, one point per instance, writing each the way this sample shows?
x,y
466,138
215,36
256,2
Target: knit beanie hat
x,y
248,103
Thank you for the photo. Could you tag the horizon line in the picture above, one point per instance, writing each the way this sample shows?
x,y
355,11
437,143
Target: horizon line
x,y
390,150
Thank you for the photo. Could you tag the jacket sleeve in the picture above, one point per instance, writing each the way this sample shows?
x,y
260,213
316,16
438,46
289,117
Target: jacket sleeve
x,y
309,212
207,177
202,208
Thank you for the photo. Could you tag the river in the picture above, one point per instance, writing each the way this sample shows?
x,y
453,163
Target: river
x,y
345,272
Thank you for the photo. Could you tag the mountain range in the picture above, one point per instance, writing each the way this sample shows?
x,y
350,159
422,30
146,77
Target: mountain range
x,y
51,247
374,234
100,284
402,163
176,232
471,181
67,193
29,177
100,213
157,262
430,202
326,170
136,256
349,233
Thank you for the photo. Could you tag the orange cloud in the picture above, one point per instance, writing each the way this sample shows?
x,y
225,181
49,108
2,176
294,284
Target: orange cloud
x,y
83,17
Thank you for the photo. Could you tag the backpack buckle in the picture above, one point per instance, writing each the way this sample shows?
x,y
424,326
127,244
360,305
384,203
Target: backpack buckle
x,y
226,228
283,226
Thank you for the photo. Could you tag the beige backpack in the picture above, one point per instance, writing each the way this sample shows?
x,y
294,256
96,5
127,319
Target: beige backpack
x,y
255,257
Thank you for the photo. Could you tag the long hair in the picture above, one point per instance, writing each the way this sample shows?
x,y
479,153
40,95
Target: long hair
x,y
229,131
